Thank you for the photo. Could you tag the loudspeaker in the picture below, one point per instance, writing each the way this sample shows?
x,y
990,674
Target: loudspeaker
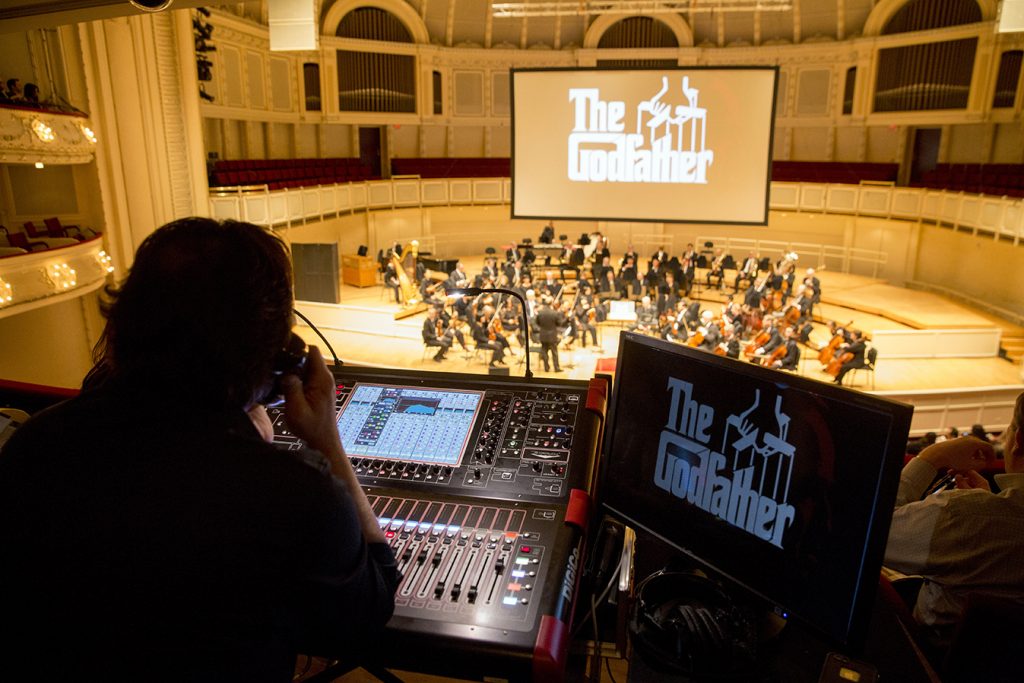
x,y
362,250
683,623
497,370
316,272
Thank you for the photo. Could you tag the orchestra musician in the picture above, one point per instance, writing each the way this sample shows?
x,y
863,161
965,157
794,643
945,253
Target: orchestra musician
x,y
716,268
668,294
856,348
391,281
653,277
433,334
485,338
774,340
630,278
660,255
730,345
602,252
585,316
550,286
677,331
609,286
601,268
710,330
549,322
811,280
791,359
747,271
756,293
490,269
646,317
629,255
689,266
451,324
458,277
692,315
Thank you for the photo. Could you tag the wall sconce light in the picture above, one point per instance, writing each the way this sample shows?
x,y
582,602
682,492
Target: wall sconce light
x,y
43,131
6,293
61,276
106,263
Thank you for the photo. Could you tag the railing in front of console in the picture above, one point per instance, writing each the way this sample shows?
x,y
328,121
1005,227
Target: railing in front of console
x,y
996,216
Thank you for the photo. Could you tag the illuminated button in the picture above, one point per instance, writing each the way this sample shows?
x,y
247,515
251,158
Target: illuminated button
x,y
409,526
525,549
518,574
522,560
514,587
389,534
384,521
511,600
397,523
424,527
437,529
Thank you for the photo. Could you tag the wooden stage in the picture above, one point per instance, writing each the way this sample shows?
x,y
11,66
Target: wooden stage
x,y
363,331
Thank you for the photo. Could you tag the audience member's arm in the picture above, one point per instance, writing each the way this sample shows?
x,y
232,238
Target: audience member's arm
x,y
310,411
914,520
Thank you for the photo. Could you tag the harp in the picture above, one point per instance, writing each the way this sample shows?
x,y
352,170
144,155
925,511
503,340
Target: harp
x,y
405,269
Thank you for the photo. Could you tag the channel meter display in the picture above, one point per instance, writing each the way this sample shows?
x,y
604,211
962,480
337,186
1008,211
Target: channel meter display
x,y
408,424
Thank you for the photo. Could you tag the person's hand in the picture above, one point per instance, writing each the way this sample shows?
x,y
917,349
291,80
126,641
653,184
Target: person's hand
x,y
309,404
971,480
962,454
261,421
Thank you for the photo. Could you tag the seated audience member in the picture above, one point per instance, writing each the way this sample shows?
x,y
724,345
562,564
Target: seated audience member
x,y
149,530
962,541
31,94
14,89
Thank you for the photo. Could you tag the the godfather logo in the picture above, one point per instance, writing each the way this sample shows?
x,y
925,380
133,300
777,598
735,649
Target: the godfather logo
x,y
751,491
666,146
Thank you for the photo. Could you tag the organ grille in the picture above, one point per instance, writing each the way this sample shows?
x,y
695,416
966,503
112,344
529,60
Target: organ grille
x,y
929,76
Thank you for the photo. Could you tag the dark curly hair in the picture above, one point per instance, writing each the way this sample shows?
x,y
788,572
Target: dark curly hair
x,y
204,310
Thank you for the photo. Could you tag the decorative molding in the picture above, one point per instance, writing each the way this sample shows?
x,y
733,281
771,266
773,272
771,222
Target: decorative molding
x,y
20,144
40,278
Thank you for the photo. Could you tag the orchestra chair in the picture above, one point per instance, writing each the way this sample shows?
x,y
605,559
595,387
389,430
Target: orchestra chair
x,y
870,356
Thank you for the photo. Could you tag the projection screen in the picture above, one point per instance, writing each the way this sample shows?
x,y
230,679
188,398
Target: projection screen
x,y
686,145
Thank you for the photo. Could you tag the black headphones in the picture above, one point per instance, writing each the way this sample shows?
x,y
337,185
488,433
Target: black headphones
x,y
684,623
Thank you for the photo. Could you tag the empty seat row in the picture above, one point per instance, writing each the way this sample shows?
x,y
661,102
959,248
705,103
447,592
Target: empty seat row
x,y
850,173
269,164
450,167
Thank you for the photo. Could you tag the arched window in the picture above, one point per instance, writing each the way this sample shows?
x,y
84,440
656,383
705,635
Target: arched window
x,y
637,32
375,81
373,23
921,15
1006,81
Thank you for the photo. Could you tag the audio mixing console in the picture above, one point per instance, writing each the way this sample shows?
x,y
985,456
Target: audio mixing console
x,y
482,487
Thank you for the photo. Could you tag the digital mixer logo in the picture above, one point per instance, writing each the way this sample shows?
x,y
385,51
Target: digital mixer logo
x,y
751,491
600,149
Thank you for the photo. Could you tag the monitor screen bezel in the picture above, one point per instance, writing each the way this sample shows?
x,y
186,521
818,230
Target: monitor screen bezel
x,y
584,69
890,465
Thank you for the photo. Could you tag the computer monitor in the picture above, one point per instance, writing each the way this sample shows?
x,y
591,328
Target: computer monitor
x,y
778,484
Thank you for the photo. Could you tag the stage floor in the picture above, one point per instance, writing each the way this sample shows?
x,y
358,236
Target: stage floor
x,y
363,331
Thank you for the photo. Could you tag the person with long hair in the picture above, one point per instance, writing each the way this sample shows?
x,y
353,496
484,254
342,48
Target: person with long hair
x,y
149,530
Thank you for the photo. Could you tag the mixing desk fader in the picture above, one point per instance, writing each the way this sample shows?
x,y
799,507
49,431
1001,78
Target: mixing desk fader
x,y
482,487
